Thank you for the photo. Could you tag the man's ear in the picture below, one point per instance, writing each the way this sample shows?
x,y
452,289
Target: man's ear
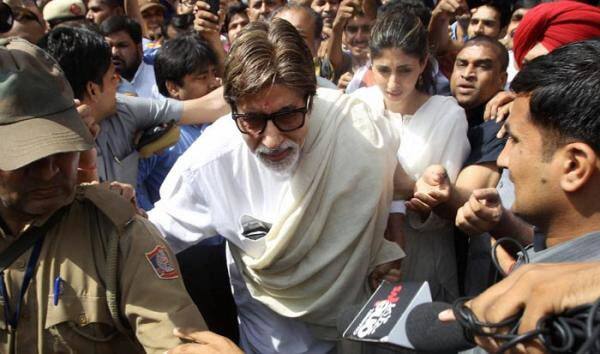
x,y
173,89
92,91
579,163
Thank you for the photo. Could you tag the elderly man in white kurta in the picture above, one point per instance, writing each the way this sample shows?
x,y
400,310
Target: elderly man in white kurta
x,y
299,182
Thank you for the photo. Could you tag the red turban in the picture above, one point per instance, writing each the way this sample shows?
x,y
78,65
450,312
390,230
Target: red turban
x,y
555,24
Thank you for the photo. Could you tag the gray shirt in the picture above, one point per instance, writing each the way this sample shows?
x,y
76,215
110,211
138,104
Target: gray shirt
x,y
117,157
581,249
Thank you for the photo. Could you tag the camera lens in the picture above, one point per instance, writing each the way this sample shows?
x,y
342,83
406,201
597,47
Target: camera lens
x,y
6,18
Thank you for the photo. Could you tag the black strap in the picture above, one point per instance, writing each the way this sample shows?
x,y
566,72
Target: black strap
x,y
27,240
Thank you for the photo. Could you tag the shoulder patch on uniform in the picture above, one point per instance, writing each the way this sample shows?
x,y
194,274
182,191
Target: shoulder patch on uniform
x,y
160,262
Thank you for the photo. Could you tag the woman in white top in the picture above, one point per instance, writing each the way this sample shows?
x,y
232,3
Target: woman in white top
x,y
433,130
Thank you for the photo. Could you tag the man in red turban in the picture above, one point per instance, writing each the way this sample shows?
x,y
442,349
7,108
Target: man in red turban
x,y
551,25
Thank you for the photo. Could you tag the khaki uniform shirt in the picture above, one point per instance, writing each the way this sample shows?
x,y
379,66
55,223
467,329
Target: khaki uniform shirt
x,y
152,297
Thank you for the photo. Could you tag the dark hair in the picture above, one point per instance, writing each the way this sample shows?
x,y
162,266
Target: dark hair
x,y
181,56
115,24
59,21
265,54
88,25
563,89
503,7
500,49
236,9
415,7
182,23
402,30
525,4
317,19
113,3
83,55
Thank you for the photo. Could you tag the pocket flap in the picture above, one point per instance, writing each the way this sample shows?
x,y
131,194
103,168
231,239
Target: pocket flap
x,y
78,310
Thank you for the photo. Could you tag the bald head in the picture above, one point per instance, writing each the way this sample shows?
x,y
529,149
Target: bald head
x,y
306,21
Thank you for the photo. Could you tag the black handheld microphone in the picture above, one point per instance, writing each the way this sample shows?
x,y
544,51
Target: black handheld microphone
x,y
427,333
402,315
423,330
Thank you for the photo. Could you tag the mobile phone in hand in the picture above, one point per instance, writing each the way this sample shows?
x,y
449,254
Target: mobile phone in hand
x,y
214,6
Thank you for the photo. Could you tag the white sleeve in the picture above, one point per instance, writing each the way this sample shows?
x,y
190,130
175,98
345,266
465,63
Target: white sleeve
x,y
457,147
182,214
398,207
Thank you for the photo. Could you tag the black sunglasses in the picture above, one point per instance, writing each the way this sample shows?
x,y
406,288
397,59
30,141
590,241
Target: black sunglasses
x,y
286,120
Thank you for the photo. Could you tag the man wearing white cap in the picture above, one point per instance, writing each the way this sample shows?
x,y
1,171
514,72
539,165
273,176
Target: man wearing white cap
x,y
58,11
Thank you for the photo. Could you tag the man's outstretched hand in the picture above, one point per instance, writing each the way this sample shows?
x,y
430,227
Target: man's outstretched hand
x,y
431,190
481,213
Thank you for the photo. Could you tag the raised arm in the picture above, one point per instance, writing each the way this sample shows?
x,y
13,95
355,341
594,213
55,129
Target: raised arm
x,y
439,40
205,109
333,45
209,26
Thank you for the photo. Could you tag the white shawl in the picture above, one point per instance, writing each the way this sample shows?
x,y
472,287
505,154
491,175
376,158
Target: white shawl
x,y
325,243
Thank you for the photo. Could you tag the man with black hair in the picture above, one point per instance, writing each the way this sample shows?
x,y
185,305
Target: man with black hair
x,y
176,26
236,19
553,148
553,155
85,58
100,10
479,73
327,9
486,18
185,68
124,36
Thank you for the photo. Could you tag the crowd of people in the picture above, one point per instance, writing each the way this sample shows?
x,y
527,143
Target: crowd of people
x,y
231,176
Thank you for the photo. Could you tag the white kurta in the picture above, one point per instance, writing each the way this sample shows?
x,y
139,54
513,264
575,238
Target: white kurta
x,y
316,261
215,160
435,134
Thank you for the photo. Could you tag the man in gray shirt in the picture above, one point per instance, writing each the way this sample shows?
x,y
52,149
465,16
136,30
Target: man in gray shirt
x,y
85,58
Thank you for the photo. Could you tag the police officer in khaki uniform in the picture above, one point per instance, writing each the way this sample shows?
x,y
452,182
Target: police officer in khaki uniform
x,y
80,272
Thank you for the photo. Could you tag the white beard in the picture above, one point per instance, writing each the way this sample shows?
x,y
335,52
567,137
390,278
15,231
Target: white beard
x,y
285,167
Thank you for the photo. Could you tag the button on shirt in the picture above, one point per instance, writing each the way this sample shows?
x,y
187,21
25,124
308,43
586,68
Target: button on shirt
x,y
211,187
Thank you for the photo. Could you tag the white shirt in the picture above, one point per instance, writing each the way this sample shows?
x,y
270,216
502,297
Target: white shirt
x,y
144,82
435,134
511,69
213,184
